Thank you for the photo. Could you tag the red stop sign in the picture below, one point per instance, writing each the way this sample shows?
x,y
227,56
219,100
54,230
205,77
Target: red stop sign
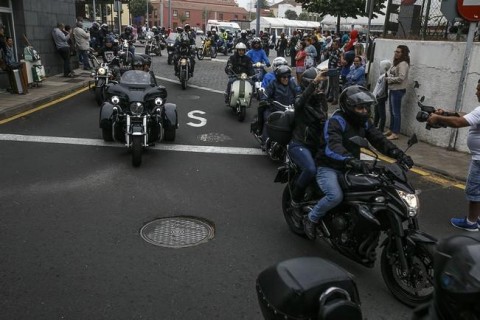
x,y
469,9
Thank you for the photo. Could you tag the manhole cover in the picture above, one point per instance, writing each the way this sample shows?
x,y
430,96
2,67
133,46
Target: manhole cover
x,y
178,232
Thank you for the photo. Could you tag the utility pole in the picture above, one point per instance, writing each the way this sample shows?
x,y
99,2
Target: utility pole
x,y
146,20
94,11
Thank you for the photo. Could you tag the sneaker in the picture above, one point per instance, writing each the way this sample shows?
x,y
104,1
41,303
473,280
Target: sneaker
x,y
462,223
310,228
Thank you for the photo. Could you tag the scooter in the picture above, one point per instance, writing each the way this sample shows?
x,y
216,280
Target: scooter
x,y
240,95
259,69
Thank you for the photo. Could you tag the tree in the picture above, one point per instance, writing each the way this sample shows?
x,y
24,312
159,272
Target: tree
x,y
341,8
139,7
303,16
291,15
263,4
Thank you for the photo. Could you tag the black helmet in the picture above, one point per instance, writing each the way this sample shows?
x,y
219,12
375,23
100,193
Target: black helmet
x,y
256,40
308,76
457,277
128,29
138,61
179,29
186,27
243,33
282,71
355,96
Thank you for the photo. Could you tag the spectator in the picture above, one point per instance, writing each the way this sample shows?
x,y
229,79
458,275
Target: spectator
x,y
300,61
356,76
318,47
71,41
360,51
353,39
11,63
346,60
293,44
82,41
397,78
381,93
63,48
333,73
281,45
472,189
311,53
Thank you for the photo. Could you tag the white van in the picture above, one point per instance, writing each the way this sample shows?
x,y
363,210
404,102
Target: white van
x,y
233,27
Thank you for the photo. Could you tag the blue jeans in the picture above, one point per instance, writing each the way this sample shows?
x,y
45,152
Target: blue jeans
x,y
395,100
302,157
84,58
327,179
472,189
380,114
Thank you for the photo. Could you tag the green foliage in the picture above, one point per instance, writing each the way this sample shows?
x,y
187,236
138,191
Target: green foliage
x,y
291,15
303,16
138,7
341,8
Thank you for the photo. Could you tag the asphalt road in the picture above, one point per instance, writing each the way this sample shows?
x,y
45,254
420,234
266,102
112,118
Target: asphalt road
x,y
71,212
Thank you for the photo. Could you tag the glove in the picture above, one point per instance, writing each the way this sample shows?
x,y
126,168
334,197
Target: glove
x,y
405,160
358,165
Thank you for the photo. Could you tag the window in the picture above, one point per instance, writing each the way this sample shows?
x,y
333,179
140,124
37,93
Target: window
x,y
175,13
220,16
236,17
187,14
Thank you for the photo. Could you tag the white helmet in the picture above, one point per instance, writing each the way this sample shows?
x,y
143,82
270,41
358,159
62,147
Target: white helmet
x,y
279,61
241,46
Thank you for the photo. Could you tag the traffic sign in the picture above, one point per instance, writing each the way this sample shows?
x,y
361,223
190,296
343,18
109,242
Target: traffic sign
x,y
469,9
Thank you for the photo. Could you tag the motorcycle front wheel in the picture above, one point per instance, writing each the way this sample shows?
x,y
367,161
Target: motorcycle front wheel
x,y
295,224
169,59
99,95
213,53
200,54
137,150
147,50
107,134
416,287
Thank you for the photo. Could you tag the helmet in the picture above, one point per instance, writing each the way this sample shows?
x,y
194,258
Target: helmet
x,y
154,29
256,40
355,96
179,29
222,30
95,25
308,76
104,26
243,32
241,46
128,29
456,277
138,62
282,71
109,39
279,61
186,27
252,31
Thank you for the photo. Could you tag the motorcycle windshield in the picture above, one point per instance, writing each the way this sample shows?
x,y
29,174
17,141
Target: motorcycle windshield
x,y
136,77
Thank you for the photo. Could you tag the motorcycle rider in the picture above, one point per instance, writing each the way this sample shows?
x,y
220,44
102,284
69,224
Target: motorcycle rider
x,y
281,90
311,112
257,54
102,34
238,63
336,153
215,38
94,35
140,63
128,35
243,39
183,45
270,76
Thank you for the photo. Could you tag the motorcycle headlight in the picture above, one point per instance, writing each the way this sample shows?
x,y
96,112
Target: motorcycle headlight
x,y
243,76
115,100
411,201
102,71
183,62
158,101
149,37
258,64
136,108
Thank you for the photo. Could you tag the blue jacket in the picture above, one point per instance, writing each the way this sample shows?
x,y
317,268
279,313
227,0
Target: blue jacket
x,y
258,56
356,76
278,92
269,77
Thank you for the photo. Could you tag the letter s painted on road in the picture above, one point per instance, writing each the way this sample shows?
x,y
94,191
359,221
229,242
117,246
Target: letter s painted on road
x,y
192,115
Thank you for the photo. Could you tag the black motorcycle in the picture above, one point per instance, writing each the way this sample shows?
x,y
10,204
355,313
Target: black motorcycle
x,y
152,45
104,73
183,64
136,114
382,201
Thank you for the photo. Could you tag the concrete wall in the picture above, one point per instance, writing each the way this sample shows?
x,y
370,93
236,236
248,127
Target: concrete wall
x,y
36,19
437,66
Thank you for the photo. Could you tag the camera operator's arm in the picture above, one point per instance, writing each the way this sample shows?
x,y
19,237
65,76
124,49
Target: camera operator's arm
x,y
454,122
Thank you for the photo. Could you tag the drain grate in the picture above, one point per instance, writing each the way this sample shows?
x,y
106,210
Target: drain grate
x,y
178,232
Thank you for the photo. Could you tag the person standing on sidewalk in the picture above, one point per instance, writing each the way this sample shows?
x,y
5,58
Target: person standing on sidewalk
x,y
292,45
334,73
63,48
82,41
472,189
397,78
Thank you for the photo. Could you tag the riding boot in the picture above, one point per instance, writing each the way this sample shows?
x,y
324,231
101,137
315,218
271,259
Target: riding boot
x,y
296,201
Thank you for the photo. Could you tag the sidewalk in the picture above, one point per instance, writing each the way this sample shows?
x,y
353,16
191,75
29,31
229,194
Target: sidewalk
x,y
451,164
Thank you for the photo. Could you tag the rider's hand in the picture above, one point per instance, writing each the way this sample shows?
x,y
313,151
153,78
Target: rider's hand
x,y
405,160
358,165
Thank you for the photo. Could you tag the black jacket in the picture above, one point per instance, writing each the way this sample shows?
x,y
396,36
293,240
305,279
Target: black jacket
x,y
336,148
239,64
310,117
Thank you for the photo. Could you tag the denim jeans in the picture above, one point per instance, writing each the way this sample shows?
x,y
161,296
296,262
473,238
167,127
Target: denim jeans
x,y
302,157
472,189
84,58
327,179
395,100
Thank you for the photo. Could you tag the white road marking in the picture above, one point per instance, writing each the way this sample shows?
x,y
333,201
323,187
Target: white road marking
x,y
101,143
202,120
189,85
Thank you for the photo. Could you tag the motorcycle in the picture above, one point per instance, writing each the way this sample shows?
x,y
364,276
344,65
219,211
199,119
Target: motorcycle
x,y
240,95
259,69
136,113
103,74
170,52
222,46
206,49
152,45
184,65
379,202
125,53
278,126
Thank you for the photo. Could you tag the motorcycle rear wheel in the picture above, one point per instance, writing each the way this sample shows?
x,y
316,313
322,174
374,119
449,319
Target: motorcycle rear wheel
x,y
242,113
200,54
213,53
137,150
417,287
107,134
99,95
295,225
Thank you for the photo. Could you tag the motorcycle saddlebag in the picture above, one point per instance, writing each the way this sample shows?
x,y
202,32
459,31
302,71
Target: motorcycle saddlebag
x,y
280,126
291,289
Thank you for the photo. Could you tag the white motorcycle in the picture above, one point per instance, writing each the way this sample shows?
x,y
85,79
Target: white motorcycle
x,y
240,95
259,74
